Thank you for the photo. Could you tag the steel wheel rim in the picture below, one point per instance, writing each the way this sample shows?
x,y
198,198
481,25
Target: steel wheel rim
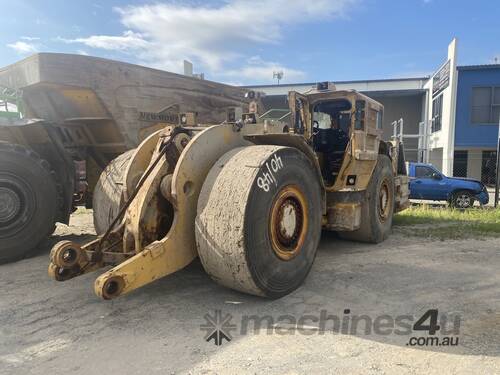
x,y
463,201
288,222
384,201
16,202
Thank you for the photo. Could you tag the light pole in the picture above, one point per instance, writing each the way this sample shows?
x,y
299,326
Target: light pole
x,y
497,176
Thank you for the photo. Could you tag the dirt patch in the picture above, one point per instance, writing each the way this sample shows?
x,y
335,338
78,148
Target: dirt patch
x,y
50,327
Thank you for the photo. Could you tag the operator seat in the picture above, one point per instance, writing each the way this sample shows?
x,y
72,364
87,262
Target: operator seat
x,y
332,143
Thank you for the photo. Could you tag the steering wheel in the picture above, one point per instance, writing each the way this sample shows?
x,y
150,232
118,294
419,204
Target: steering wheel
x,y
315,127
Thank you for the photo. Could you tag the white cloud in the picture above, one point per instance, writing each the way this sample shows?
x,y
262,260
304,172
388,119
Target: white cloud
x,y
128,41
82,52
23,47
213,37
30,38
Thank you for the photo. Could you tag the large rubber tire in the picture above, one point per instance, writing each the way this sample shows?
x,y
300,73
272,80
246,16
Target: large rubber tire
x,y
108,195
234,222
375,227
29,201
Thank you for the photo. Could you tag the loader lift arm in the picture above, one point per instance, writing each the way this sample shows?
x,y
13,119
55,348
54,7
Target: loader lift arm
x,y
139,253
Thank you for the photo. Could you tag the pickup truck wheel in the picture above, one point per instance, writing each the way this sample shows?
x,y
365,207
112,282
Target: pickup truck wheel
x,y
462,199
378,207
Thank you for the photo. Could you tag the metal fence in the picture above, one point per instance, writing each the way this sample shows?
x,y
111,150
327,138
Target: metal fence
x,y
482,167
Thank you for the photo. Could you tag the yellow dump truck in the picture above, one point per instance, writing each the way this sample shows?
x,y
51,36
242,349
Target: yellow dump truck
x,y
63,118
249,197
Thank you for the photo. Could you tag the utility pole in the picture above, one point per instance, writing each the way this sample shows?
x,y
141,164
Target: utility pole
x,y
497,179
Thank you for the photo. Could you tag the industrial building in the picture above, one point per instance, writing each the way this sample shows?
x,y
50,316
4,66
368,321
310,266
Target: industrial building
x,y
450,118
477,122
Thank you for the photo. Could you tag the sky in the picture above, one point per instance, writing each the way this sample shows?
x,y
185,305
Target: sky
x,y
245,41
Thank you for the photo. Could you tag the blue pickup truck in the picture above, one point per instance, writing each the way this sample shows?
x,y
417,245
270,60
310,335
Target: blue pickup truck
x,y
427,183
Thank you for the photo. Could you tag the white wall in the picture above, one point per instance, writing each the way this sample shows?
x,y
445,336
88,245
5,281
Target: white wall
x,y
436,158
445,138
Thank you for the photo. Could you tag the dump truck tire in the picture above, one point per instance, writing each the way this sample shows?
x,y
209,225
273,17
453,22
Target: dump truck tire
x,y
29,201
258,220
108,195
377,210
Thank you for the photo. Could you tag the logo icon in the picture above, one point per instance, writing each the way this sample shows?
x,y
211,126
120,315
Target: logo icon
x,y
218,327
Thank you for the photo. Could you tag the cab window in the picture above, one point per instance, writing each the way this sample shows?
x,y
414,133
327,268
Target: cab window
x,y
378,119
330,114
423,172
331,130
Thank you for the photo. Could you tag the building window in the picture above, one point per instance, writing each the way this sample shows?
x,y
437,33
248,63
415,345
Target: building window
x,y
437,113
485,105
460,159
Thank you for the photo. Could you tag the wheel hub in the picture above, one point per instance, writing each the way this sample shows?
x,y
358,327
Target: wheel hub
x,y
384,203
288,219
463,201
10,204
288,222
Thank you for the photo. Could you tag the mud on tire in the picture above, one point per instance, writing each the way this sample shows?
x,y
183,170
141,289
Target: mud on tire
x,y
108,192
258,221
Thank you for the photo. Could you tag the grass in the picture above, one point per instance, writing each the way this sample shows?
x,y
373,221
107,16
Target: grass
x,y
447,223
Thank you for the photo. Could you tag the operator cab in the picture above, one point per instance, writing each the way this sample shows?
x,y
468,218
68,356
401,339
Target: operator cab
x,y
334,123
331,126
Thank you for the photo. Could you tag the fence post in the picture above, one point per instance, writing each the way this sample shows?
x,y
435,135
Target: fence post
x,y
497,176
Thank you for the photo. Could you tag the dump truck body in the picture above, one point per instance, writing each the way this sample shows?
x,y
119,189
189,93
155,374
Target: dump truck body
x,y
73,114
117,101
249,198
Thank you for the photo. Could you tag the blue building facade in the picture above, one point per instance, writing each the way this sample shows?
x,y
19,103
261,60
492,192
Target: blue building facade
x,y
477,121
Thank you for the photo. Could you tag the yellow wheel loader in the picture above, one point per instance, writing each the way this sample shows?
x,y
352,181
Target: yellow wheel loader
x,y
250,198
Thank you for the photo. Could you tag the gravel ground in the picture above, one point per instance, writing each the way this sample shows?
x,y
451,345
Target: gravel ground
x,y
53,328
